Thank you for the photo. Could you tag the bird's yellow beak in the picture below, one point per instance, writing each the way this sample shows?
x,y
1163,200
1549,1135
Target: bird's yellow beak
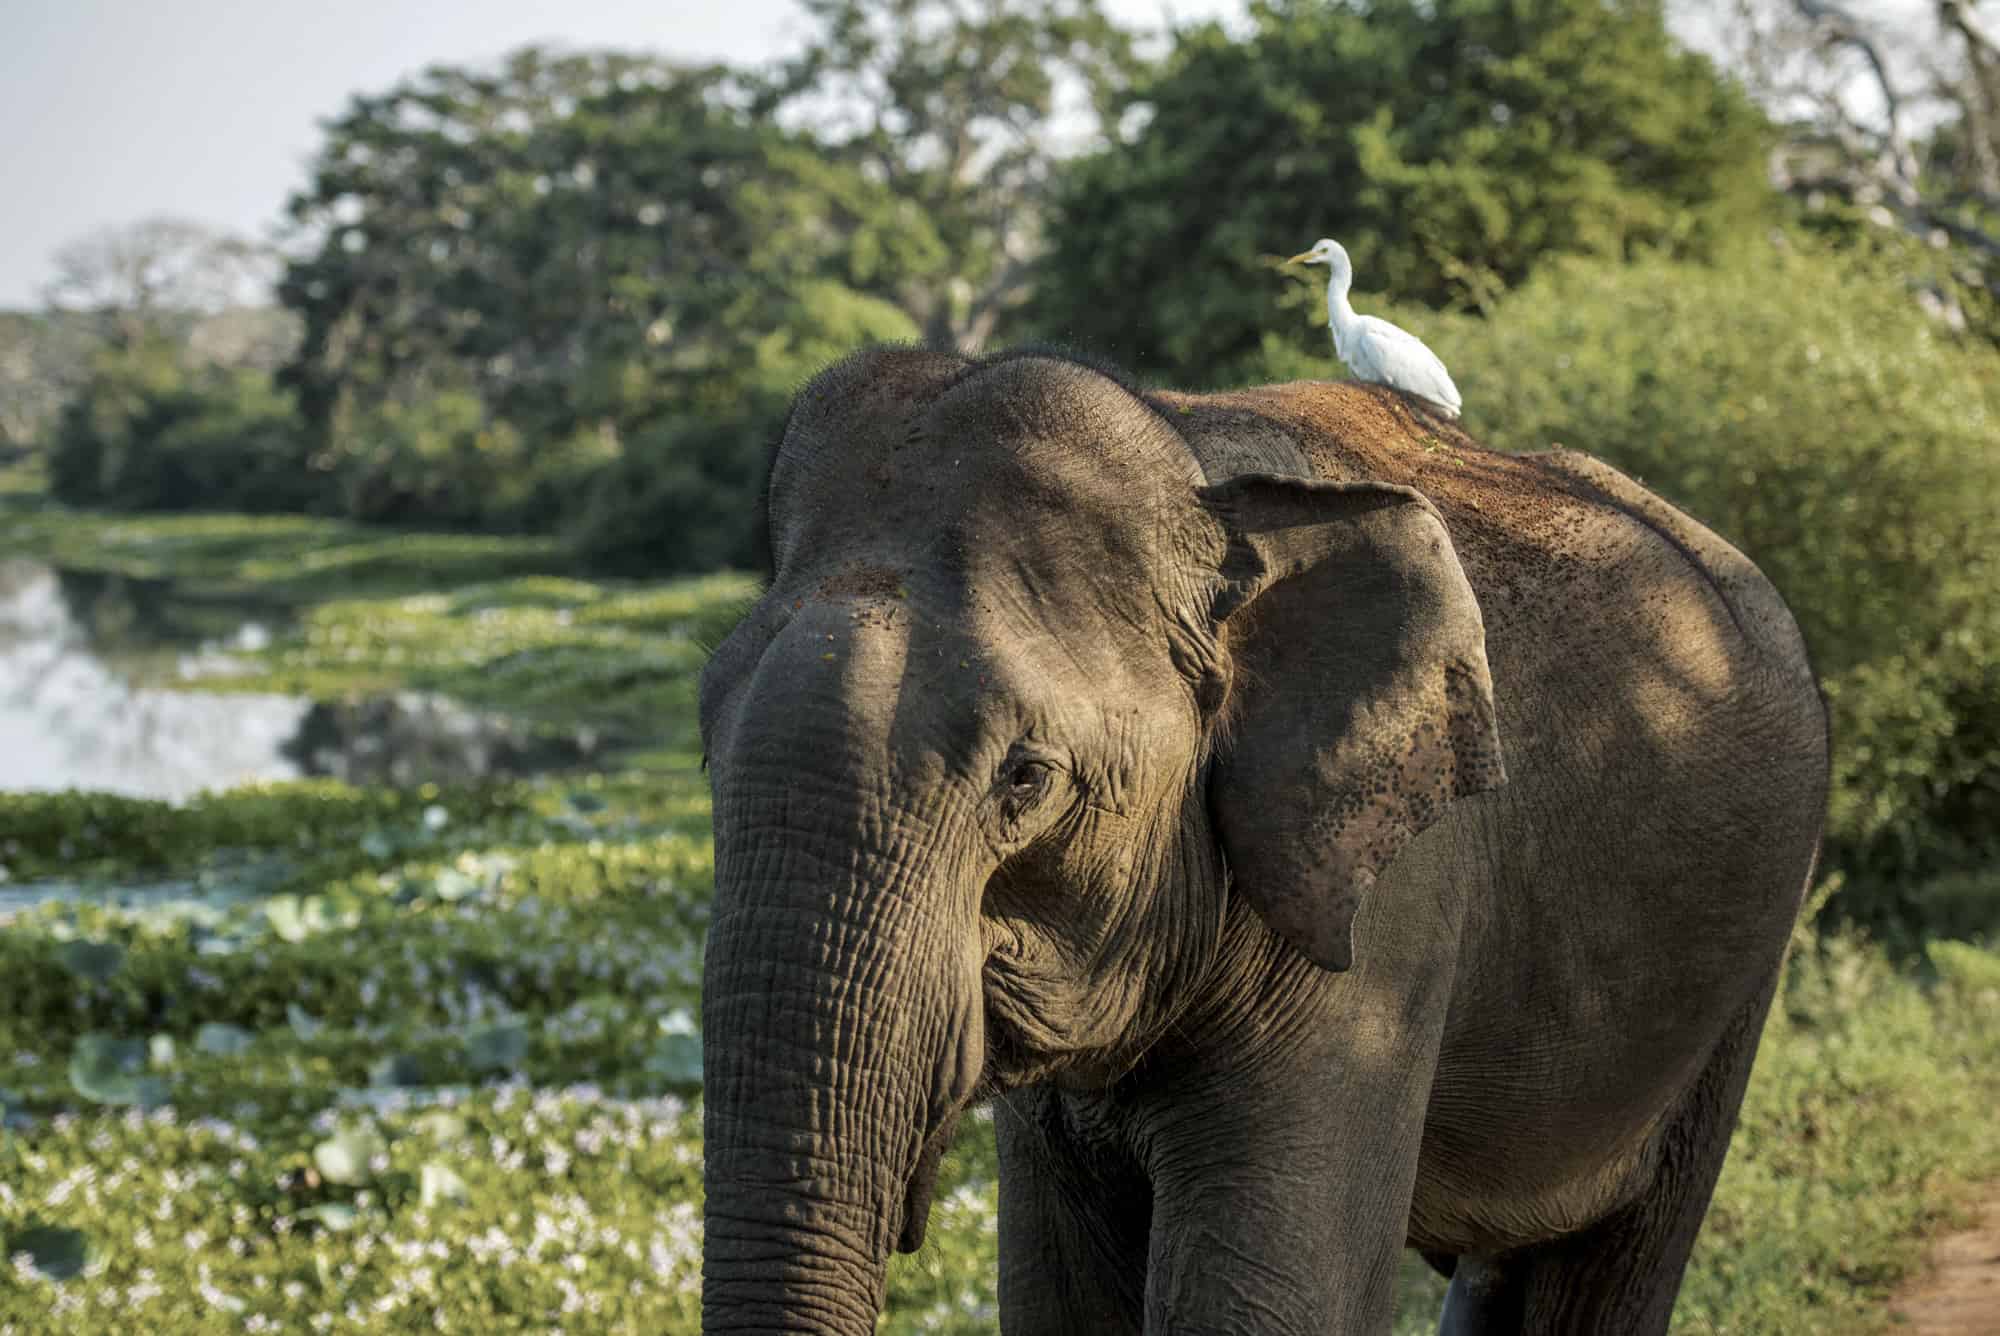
x,y
1300,258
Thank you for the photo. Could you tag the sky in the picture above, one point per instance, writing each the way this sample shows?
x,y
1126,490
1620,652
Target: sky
x,y
209,109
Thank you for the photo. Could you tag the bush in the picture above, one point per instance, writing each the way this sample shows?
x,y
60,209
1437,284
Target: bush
x,y
144,432
1797,401
684,494
441,460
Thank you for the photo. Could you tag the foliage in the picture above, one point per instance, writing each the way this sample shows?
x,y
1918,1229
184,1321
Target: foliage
x,y
1887,123
1826,1196
402,1055
85,833
1850,447
1452,145
146,432
439,460
540,290
579,944
43,357
963,112
685,493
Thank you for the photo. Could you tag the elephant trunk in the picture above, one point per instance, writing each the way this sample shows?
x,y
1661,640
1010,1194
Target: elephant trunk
x,y
840,1037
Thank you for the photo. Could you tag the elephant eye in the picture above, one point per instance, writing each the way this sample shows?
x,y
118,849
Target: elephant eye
x,y
1027,776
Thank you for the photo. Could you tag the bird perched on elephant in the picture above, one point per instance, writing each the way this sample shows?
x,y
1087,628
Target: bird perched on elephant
x,y
1313,833
1372,348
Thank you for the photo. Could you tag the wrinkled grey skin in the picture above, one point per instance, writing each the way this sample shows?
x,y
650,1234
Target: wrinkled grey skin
x,y
1314,833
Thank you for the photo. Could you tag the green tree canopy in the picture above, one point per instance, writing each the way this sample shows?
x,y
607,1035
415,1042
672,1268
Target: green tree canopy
x,y
579,241
962,109
529,287
1449,143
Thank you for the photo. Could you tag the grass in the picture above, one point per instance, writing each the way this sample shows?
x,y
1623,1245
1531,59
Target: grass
x,y
380,1060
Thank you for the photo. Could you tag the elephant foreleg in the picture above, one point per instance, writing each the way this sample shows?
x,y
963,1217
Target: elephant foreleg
x,y
1075,1215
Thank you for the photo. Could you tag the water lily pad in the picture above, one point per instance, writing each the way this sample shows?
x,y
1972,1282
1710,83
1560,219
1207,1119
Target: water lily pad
x,y
676,1059
438,1184
337,1216
497,1047
286,916
95,961
440,1125
222,1040
56,1253
398,1070
107,1070
344,1157
303,1023
383,1100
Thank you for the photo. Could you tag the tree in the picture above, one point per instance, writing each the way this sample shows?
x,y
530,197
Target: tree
x,y
962,109
1891,121
134,276
574,239
1452,145
570,259
43,358
147,431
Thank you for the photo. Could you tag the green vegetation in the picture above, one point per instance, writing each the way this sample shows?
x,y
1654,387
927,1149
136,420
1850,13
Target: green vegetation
x,y
1454,145
1869,1110
144,431
311,1056
320,1057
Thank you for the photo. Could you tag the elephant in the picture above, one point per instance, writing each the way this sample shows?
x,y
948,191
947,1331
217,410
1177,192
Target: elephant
x,y
1311,835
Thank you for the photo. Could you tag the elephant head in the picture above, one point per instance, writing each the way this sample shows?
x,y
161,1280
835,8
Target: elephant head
x,y
1027,713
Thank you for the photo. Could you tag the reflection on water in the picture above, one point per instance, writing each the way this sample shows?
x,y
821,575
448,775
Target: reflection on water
x,y
69,718
409,737
72,714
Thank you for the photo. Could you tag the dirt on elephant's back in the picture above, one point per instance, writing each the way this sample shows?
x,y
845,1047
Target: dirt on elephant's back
x,y
1958,1294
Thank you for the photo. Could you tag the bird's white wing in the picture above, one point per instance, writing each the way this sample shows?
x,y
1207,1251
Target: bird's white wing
x,y
1394,356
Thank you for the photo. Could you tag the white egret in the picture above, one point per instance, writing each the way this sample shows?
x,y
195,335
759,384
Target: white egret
x,y
1374,349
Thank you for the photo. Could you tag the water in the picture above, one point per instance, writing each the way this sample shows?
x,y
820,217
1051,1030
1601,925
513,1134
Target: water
x,y
82,657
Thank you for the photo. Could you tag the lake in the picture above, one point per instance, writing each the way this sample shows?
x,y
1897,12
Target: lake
x,y
100,689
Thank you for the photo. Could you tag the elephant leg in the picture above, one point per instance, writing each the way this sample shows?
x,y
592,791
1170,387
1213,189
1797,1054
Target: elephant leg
x,y
1075,1217
1623,1273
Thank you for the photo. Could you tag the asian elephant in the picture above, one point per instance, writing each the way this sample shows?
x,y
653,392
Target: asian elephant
x,y
1313,833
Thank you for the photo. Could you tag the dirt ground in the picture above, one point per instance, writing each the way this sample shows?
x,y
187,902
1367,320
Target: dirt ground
x,y
1959,1295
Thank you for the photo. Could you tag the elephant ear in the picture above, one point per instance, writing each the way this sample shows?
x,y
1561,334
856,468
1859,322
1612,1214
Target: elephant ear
x,y
1360,702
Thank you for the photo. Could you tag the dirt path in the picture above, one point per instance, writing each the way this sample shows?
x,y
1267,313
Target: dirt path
x,y
1960,1293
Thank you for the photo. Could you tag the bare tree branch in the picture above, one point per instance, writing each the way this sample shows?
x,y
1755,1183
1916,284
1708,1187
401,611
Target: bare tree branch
x,y
1836,27
132,275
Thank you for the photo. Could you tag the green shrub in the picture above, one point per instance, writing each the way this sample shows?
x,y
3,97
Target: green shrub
x,y
51,834
146,433
681,497
685,492
1867,1113
447,460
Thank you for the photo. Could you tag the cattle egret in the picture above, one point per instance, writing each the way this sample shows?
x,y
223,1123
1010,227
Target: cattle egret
x,y
1375,349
